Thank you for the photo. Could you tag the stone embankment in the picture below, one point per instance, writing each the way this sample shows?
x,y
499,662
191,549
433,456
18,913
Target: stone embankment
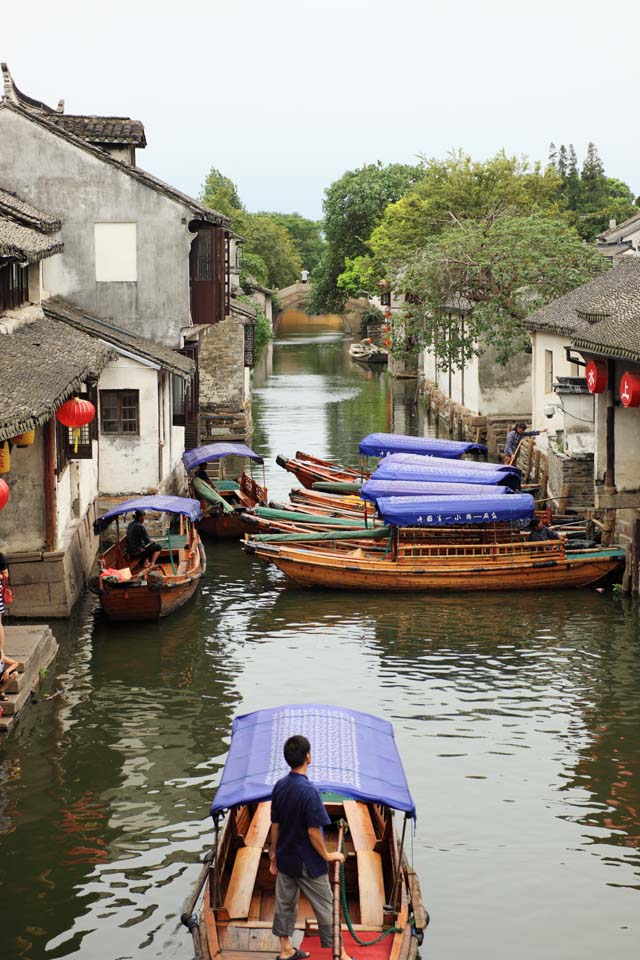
x,y
34,647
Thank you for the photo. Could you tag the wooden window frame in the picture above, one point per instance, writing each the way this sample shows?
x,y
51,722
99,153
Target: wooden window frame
x,y
120,395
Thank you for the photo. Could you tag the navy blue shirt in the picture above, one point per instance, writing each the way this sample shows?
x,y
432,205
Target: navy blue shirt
x,y
297,805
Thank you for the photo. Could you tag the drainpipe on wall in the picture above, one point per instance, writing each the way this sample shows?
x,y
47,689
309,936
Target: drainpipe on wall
x,y
610,475
50,506
160,432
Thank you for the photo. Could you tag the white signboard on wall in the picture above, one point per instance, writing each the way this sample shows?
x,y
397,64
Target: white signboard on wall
x,y
115,250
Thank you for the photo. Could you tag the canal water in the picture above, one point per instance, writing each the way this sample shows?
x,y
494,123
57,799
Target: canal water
x,y
517,715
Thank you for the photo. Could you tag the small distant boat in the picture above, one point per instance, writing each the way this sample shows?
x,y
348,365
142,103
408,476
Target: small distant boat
x,y
223,501
358,771
367,352
130,591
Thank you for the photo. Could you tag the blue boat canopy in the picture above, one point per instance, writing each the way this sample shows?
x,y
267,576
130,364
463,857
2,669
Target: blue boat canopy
x,y
381,444
444,511
216,451
439,471
159,504
374,489
465,464
353,754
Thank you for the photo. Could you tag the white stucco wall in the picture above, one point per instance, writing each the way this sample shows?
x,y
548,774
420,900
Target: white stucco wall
x,y
540,398
129,464
81,189
76,489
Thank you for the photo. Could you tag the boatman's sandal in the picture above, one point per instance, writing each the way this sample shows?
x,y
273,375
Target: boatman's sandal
x,y
298,955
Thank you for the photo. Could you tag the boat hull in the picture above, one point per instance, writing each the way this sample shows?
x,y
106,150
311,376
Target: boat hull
x,y
341,572
140,602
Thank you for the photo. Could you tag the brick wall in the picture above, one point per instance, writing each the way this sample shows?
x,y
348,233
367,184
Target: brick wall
x,y
225,410
578,473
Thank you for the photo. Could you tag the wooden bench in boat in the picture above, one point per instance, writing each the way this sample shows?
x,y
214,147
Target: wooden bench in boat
x,y
237,903
370,878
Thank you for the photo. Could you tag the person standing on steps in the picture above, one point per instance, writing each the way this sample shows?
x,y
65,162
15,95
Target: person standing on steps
x,y
298,853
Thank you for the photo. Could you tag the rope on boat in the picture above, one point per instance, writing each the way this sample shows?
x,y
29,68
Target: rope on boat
x,y
347,916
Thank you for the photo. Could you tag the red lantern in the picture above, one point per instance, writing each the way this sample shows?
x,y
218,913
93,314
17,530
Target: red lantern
x,y
4,494
76,413
597,376
630,389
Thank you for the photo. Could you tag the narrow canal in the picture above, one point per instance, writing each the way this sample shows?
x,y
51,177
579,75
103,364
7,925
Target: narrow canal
x,y
518,717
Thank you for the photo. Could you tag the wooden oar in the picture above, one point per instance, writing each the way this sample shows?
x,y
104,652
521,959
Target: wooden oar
x,y
337,932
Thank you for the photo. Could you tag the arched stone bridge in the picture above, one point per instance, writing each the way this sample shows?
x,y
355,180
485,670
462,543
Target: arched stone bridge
x,y
297,296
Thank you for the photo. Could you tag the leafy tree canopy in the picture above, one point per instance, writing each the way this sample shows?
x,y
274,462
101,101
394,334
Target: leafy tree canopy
x,y
307,236
221,194
591,197
353,206
274,245
453,190
270,255
496,271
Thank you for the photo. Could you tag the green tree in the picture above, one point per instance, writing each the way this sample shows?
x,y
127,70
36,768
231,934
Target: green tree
x,y
221,194
254,270
353,206
306,234
452,191
496,270
274,245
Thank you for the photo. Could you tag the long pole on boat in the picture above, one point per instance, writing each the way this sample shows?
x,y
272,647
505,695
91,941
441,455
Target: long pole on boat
x,y
337,932
396,879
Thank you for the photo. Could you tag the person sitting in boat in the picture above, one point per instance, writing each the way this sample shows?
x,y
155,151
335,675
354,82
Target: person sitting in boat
x,y
202,474
298,854
140,546
539,532
514,439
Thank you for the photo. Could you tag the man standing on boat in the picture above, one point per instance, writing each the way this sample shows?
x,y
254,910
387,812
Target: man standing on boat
x,y
298,855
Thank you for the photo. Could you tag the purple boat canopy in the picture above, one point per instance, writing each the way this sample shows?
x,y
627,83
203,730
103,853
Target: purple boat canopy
x,y
463,464
374,489
440,471
159,504
444,511
381,444
216,451
353,754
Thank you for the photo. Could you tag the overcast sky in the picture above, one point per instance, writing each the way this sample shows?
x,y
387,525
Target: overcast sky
x,y
283,96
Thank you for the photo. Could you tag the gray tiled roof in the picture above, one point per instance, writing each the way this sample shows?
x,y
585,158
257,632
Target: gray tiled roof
x,y
59,309
602,316
621,229
41,364
101,129
27,214
23,243
198,211
612,312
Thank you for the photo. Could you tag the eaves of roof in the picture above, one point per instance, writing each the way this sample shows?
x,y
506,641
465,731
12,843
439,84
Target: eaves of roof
x,y
58,309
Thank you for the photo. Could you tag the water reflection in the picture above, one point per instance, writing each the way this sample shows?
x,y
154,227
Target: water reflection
x,y
517,715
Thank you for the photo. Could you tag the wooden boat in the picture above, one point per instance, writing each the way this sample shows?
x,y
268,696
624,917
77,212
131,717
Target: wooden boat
x,y
369,353
312,470
309,469
223,501
129,590
230,911
458,558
